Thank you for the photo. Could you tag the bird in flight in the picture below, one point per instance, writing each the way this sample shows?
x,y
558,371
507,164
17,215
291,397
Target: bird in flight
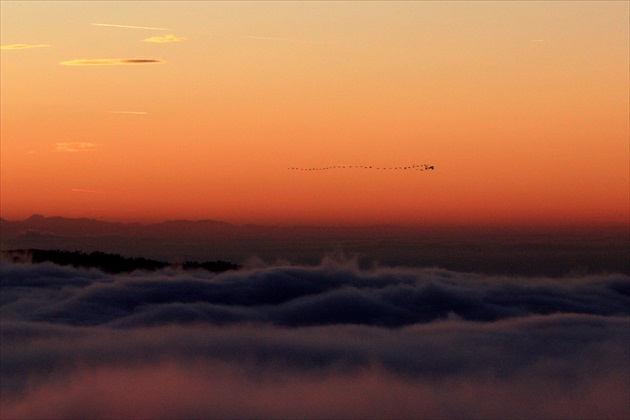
x,y
413,167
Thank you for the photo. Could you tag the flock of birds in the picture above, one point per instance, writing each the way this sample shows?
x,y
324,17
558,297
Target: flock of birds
x,y
413,167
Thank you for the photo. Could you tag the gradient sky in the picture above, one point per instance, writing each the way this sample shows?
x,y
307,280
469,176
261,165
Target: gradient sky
x,y
521,106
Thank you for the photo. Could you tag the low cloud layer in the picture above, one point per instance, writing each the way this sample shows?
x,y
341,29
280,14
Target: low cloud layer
x,y
110,61
293,296
325,341
165,38
22,46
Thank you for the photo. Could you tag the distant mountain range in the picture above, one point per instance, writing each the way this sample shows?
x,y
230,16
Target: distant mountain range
x,y
81,227
69,227
41,226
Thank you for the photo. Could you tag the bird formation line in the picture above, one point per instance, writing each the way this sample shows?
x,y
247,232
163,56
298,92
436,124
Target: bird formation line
x,y
413,167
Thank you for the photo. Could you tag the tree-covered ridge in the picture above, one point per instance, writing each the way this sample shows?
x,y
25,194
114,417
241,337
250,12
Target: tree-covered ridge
x,y
110,263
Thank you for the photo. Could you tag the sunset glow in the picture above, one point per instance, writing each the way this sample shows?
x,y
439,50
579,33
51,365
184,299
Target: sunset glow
x,y
315,209
522,107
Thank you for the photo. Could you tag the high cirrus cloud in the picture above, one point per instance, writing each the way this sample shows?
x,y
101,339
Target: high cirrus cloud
x,y
129,26
110,61
75,146
165,38
324,341
82,190
22,46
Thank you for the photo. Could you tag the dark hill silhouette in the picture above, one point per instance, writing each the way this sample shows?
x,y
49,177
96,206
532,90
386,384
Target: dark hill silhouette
x,y
524,250
109,263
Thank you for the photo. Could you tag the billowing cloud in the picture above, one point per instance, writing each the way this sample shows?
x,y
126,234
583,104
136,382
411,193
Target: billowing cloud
x,y
75,147
130,27
330,295
165,38
110,61
22,46
326,341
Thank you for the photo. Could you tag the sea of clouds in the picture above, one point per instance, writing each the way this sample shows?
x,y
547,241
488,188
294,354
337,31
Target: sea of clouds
x,y
325,341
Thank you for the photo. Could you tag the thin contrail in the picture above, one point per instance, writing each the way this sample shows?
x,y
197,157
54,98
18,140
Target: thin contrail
x,y
22,46
269,38
129,112
131,27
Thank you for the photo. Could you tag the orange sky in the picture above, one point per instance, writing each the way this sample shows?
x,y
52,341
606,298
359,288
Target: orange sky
x,y
521,106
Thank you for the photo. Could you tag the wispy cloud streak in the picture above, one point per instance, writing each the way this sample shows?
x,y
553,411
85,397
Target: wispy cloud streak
x,y
129,112
22,46
268,38
165,39
130,26
75,147
109,61
81,190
